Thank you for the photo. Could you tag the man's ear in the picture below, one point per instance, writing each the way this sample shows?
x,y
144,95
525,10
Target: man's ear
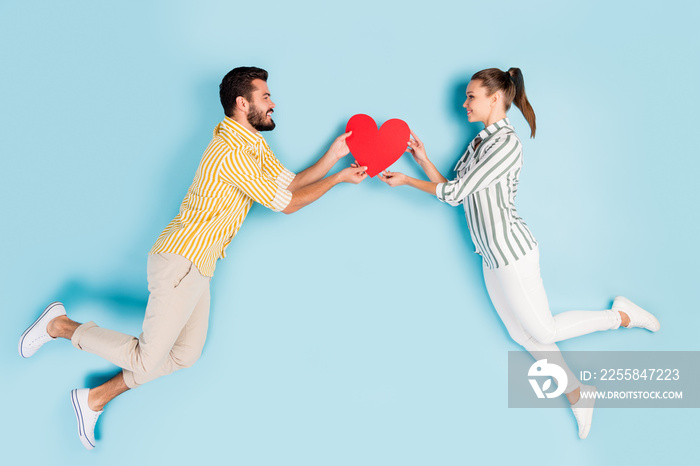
x,y
241,104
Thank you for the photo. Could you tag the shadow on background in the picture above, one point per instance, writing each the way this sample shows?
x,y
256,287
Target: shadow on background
x,y
77,293
170,184
456,96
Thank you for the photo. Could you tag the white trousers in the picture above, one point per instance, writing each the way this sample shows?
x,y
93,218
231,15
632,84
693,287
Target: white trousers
x,y
518,295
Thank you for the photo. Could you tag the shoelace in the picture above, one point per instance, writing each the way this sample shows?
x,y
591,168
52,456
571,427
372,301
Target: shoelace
x,y
40,339
95,415
576,415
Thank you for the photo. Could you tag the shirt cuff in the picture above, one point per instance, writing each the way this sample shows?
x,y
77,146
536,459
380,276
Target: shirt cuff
x,y
438,192
285,178
281,200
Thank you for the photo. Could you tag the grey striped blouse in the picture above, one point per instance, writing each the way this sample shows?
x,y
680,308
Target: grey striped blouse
x,y
486,184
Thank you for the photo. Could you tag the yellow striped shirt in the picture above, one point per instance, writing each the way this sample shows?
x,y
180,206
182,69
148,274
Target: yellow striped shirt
x,y
237,168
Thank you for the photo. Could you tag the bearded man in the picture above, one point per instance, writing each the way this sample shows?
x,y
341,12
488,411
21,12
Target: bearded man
x,y
237,169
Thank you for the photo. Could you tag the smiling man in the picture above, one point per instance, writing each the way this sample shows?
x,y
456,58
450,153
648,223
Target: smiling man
x,y
237,169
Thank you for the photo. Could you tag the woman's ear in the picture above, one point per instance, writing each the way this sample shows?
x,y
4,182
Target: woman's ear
x,y
495,98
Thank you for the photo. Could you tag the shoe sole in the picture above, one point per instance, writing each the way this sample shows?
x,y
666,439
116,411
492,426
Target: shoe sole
x,y
81,424
588,429
21,339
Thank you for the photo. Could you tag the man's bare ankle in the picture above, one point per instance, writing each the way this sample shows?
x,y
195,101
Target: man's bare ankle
x,y
60,327
53,327
93,402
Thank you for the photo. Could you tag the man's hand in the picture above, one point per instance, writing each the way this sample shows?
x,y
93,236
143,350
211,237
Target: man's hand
x,y
339,148
315,172
308,194
353,174
393,178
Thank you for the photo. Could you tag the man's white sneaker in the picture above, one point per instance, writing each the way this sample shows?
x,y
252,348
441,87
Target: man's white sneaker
x,y
583,410
36,335
86,417
638,316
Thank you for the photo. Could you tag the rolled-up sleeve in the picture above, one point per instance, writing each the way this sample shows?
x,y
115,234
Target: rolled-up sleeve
x,y
281,200
498,159
274,167
442,196
285,178
240,169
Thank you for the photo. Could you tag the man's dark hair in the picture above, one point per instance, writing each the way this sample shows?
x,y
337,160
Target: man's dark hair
x,y
238,82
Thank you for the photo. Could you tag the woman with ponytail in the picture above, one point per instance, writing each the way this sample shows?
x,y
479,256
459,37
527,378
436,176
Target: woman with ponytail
x,y
486,184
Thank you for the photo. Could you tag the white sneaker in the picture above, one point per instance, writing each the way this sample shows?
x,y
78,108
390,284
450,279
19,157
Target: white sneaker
x,y
86,417
638,316
583,410
36,335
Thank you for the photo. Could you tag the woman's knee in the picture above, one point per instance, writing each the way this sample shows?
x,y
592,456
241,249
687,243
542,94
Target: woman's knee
x,y
529,342
544,335
542,330
520,336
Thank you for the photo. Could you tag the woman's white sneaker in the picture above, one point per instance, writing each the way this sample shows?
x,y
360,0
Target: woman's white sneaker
x,y
583,410
36,335
638,316
86,417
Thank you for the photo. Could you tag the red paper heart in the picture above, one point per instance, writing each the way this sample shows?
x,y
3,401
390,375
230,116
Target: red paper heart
x,y
376,148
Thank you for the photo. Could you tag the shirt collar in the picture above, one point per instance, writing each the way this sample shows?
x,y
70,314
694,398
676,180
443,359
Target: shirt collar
x,y
231,125
490,129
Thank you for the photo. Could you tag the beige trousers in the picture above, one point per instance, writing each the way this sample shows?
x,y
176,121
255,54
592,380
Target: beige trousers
x,y
174,328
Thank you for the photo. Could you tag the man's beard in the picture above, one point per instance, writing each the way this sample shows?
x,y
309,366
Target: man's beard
x,y
258,120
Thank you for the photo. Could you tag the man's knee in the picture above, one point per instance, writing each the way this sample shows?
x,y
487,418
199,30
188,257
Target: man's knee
x,y
183,359
150,369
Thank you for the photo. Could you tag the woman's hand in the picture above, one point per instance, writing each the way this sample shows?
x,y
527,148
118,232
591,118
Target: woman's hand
x,y
393,178
417,149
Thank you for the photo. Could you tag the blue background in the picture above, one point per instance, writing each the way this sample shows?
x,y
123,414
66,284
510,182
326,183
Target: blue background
x,y
377,344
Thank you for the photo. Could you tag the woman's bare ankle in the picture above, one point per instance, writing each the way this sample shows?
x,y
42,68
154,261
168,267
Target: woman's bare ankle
x,y
625,319
574,395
